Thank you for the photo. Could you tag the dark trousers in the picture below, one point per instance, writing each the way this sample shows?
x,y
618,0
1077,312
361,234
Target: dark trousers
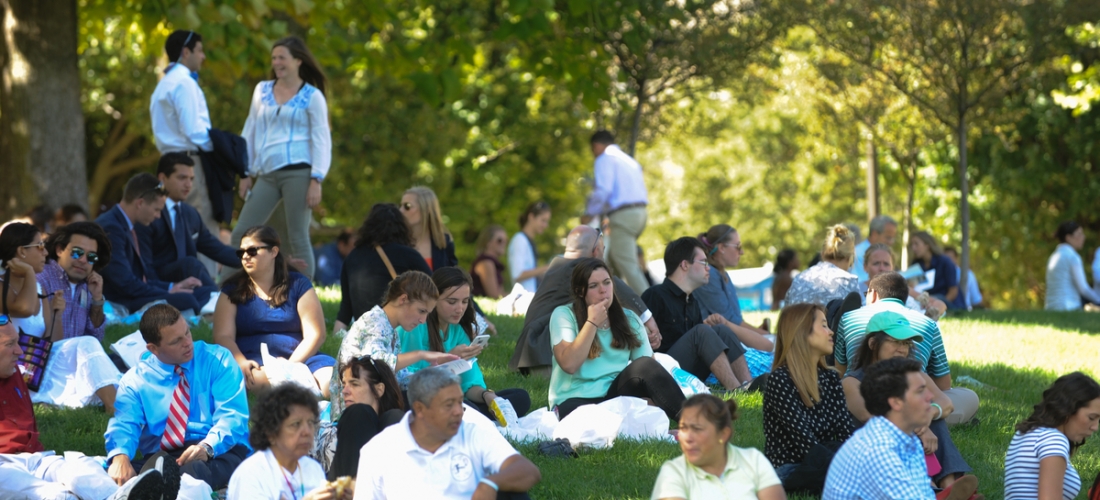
x,y
184,268
519,398
215,472
358,424
700,346
182,301
642,378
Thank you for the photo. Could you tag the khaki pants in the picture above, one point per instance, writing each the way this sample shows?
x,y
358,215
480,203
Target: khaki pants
x,y
285,189
966,405
199,197
622,246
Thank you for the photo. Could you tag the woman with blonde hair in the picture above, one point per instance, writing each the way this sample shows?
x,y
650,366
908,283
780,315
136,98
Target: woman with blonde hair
x,y
420,207
829,279
806,417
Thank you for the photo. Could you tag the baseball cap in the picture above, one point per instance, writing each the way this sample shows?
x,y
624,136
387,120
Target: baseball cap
x,y
894,325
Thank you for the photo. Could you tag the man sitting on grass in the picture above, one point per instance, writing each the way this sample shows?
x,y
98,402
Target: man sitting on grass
x,y
26,470
435,452
184,401
887,292
885,458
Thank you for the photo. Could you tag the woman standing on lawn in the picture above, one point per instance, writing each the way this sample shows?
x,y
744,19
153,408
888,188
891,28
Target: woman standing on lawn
x,y
711,466
601,351
806,418
1037,465
1066,283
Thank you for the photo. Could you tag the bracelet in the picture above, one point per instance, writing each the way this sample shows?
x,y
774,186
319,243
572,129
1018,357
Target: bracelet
x,y
98,303
488,482
593,323
938,408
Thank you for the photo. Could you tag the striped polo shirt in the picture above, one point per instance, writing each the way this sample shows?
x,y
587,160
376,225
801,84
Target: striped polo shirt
x,y
853,327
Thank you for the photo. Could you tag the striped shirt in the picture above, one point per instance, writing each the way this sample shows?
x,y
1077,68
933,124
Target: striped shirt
x,y
853,327
879,461
1022,463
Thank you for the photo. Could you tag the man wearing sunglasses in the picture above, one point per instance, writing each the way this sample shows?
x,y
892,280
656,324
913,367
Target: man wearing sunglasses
x,y
129,279
74,252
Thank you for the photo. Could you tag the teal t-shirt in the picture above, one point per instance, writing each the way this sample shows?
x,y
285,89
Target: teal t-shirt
x,y
417,340
594,377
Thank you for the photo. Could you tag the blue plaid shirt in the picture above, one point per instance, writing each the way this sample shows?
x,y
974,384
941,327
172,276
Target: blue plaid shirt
x,y
879,461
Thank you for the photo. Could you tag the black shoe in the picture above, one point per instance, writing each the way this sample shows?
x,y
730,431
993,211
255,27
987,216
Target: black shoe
x,y
170,472
148,485
759,383
557,448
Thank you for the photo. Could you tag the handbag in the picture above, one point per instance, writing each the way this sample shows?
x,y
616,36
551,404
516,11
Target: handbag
x,y
386,261
36,350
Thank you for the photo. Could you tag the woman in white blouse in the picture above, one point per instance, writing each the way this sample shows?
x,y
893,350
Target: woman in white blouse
x,y
523,259
289,147
1066,283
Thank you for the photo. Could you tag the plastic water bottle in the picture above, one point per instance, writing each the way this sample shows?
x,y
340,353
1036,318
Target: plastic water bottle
x,y
504,412
971,381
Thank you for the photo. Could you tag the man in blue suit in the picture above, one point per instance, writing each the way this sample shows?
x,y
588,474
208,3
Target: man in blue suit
x,y
130,279
180,235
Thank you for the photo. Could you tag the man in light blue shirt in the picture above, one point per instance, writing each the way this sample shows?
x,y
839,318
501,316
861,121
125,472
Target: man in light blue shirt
x,y
883,229
216,415
619,193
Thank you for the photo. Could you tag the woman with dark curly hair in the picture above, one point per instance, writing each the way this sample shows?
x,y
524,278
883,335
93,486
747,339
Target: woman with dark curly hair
x,y
282,427
1037,464
383,250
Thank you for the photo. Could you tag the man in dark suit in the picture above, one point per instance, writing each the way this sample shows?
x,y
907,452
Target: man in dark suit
x,y
179,235
130,279
533,350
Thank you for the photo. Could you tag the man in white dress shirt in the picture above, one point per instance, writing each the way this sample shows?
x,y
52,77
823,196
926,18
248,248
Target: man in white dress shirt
x,y
181,120
619,192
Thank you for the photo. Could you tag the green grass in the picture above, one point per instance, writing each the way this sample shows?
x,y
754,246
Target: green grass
x,y
1017,354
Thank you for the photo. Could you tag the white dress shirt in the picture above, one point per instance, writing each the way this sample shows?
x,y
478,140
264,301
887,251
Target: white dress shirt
x,y
618,182
181,121
295,132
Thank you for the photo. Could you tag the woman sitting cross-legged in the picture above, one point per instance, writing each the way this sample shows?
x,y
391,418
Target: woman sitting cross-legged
x,y
408,299
890,336
711,466
1037,465
283,423
372,402
269,302
805,414
601,351
451,327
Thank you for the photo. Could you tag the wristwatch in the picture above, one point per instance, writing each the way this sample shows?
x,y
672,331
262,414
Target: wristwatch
x,y
208,449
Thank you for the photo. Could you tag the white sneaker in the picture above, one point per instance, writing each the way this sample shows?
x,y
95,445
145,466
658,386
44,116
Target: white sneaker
x,y
148,485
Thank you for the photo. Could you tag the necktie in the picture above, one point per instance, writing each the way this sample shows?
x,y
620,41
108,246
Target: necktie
x,y
175,430
180,233
137,251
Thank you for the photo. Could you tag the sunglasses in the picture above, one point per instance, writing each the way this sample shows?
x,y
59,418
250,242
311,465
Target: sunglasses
x,y
78,252
4,319
251,251
406,206
159,189
41,245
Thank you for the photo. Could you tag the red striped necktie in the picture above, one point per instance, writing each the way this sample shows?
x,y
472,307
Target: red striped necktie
x,y
175,430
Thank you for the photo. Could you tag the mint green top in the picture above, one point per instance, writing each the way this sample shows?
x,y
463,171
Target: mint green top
x,y
594,377
417,340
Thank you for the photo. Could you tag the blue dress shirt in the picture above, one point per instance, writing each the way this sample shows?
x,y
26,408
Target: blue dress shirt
x,y
879,461
219,406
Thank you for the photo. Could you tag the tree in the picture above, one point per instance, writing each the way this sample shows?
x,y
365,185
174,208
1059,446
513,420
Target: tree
x,y
41,121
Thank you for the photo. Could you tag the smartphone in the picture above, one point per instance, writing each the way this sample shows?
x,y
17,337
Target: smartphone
x,y
481,340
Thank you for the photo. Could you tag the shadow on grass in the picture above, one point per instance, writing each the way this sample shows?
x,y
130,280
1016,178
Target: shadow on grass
x,y
1073,321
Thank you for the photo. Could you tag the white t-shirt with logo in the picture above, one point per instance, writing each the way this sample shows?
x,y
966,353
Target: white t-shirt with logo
x,y
392,466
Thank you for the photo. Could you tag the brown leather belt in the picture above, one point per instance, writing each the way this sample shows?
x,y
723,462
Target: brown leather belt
x,y
628,205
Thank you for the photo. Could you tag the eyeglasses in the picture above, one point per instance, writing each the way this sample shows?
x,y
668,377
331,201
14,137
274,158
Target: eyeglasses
x,y
41,245
251,251
737,246
406,206
706,265
904,343
159,189
4,319
78,252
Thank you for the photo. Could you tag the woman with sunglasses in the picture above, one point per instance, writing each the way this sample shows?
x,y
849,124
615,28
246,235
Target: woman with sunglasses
x,y
451,327
384,241
373,401
289,147
429,236
718,300
270,302
487,271
889,335
523,258
77,372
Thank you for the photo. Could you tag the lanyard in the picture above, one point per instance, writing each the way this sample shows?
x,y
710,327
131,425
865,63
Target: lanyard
x,y
301,482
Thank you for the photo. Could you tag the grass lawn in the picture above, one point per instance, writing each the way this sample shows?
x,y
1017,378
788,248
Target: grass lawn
x,y
1014,354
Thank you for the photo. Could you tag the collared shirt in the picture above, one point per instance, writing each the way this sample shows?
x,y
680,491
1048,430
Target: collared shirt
x,y
1066,283
747,472
181,121
18,428
674,311
618,181
371,335
219,407
820,284
169,208
853,327
260,477
294,132
392,466
857,266
76,319
879,461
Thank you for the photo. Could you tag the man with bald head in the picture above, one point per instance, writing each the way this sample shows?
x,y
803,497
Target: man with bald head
x,y
533,351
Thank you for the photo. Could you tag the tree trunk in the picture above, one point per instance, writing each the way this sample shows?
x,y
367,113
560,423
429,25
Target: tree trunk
x,y
873,208
636,128
964,207
41,120
907,222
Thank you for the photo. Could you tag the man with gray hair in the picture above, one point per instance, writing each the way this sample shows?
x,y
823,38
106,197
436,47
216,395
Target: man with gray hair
x,y
533,350
884,229
437,452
